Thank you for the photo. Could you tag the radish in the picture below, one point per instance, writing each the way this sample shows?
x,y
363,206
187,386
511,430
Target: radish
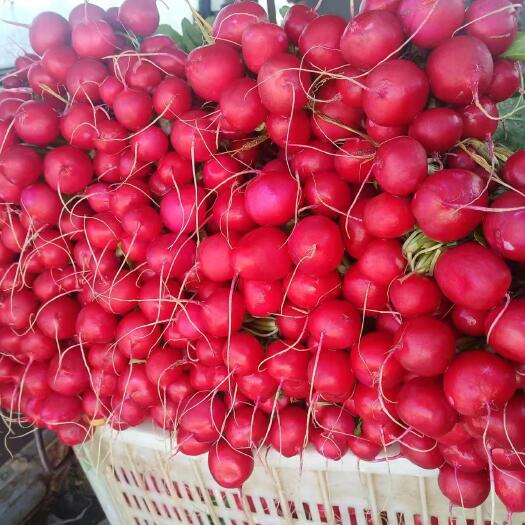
x,y
503,328
476,123
296,19
246,428
355,236
84,79
288,431
283,85
223,312
57,409
349,84
309,291
259,386
464,457
202,415
421,450
514,170
41,204
373,5
437,129
171,98
383,133
262,299
141,17
93,39
132,109
41,82
109,89
442,203
171,255
363,293
133,384
473,276
210,69
509,488
468,320
415,295
68,375
466,489
329,371
319,42
84,12
234,19
477,382
36,122
372,37
291,323
363,448
229,467
242,354
189,446
494,22
143,75
67,169
460,69
260,42
431,23
20,165
388,216
397,91
48,30
382,261
505,80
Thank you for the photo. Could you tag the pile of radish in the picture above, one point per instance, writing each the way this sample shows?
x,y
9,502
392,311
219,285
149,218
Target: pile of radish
x,y
291,236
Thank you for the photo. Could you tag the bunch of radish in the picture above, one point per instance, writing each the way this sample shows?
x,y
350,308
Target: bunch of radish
x,y
290,237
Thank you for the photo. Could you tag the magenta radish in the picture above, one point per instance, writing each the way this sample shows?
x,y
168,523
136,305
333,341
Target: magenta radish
x,y
509,488
442,203
246,428
36,122
372,37
84,79
223,312
288,431
480,123
260,42
259,386
48,30
141,17
421,450
296,19
82,125
354,161
309,291
229,467
466,489
504,334
319,42
263,299
234,19
393,85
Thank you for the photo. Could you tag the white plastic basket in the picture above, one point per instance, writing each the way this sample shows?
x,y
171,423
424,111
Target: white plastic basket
x,y
139,481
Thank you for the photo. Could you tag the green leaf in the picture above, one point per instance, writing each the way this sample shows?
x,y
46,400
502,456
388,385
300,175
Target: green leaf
x,y
517,50
165,29
511,130
284,9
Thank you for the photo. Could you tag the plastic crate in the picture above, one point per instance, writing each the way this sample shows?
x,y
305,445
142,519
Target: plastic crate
x,y
139,481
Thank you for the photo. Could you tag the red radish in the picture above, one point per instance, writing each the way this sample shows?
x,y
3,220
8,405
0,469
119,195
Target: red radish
x,y
93,39
84,12
119,294
441,204
67,169
336,323
479,123
319,42
223,312
210,69
477,382
48,30
388,216
363,293
509,486
382,261
81,125
20,165
283,84
203,415
460,69
425,346
84,79
503,328
189,446
355,236
183,210
350,85
68,374
260,42
180,389
415,295
514,170
150,144
331,437
289,133
363,448
309,291
466,489
41,204
437,129
194,136
421,450
315,245
258,386
286,361
109,89
422,405
469,321
234,19
173,170
36,346
57,409
229,467
139,16
95,325
245,428
473,276
288,431
262,244
464,457
171,255
372,37
136,337
41,82
104,384
106,358
164,415
171,98
397,92
143,75
133,384
229,212
36,122
261,298
381,433
242,353
431,23
125,413
214,256
495,22
296,19
292,322
330,373
506,80
132,109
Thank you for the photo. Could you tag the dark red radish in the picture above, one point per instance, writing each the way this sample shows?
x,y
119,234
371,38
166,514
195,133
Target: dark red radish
x,y
319,42
315,245
469,321
234,19
415,295
514,170
335,324
506,80
503,327
477,382
289,430
246,427
473,276
372,362
429,23
372,37
296,19
421,450
210,69
442,203
437,129
465,489
194,136
84,79
382,261
456,436
397,91
283,84
383,133
364,293
48,29
494,22
37,123
425,346
460,69
141,17
510,488
480,123
291,323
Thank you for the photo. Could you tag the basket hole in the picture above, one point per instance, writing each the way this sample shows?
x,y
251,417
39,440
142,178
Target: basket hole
x,y
251,504
264,506
188,492
199,494
156,508
352,516
137,502
293,510
225,500
307,512
177,490
126,499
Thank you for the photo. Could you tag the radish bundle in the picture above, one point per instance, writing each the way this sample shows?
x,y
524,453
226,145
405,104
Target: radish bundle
x,y
290,236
